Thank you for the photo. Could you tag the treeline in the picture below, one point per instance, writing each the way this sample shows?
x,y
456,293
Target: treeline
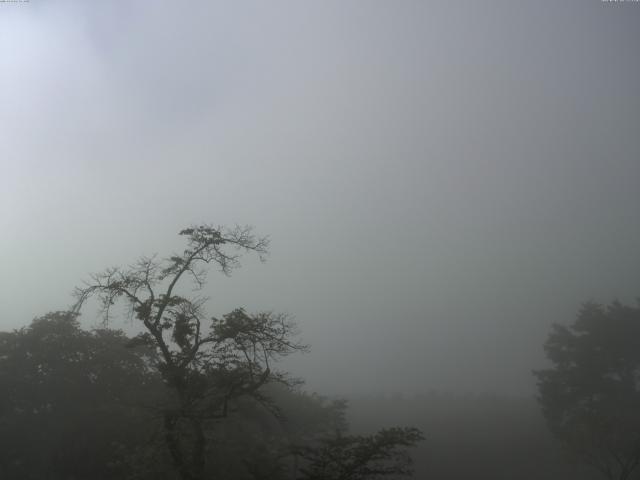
x,y
79,404
195,397
191,397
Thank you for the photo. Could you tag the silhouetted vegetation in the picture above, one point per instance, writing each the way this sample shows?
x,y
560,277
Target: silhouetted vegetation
x,y
591,395
73,402
193,397
190,397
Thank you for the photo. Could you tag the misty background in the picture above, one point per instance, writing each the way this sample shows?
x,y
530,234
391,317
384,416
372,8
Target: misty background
x,y
440,181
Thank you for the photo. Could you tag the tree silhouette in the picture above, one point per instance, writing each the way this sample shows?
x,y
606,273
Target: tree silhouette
x,y
355,457
591,395
68,404
213,367
207,363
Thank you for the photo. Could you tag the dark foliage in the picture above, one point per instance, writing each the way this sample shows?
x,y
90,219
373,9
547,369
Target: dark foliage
x,y
355,457
83,404
591,395
71,400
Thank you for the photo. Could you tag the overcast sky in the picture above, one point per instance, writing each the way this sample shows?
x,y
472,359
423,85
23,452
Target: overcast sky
x,y
441,181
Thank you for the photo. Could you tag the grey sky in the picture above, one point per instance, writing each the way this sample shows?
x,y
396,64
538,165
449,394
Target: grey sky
x,y
441,180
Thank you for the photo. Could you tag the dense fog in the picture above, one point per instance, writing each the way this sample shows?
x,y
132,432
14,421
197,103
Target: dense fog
x,y
440,182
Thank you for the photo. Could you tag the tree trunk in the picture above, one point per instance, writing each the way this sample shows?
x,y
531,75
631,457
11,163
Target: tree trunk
x,y
198,458
190,465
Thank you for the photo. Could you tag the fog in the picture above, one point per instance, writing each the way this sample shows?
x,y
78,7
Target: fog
x,y
440,181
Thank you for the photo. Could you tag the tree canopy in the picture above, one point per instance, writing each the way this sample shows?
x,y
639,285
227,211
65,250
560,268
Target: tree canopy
x,y
71,400
591,395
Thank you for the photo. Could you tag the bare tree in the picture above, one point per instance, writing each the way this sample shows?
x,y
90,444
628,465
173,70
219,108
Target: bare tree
x,y
205,362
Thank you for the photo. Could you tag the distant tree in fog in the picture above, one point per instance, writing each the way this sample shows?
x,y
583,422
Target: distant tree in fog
x,y
591,395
